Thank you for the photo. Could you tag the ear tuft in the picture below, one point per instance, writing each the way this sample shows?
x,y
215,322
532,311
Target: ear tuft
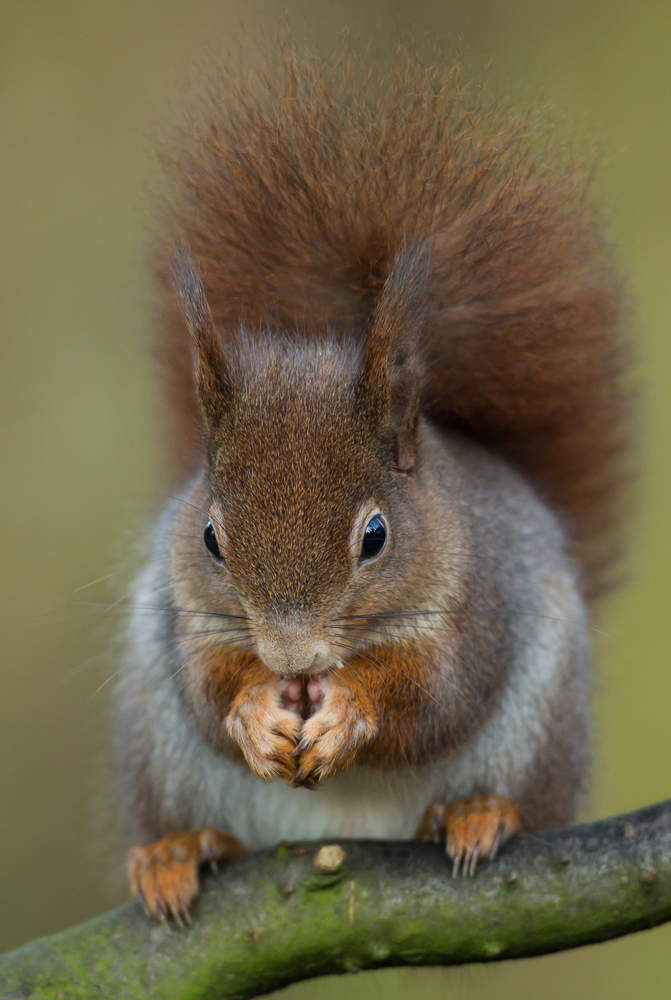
x,y
390,386
211,369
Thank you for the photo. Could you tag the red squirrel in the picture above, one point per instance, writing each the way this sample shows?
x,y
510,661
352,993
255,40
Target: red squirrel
x,y
391,331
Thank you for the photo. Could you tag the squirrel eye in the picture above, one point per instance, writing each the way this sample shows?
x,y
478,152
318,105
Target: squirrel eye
x,y
210,540
374,538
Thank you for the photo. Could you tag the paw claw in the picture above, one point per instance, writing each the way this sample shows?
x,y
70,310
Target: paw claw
x,y
302,780
302,745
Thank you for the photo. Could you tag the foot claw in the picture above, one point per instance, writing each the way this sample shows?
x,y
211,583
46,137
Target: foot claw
x,y
181,915
497,843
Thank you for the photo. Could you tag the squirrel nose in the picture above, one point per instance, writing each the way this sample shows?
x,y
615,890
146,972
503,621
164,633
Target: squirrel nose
x,y
290,653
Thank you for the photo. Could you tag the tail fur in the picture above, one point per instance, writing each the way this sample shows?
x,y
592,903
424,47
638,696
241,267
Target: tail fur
x,y
294,192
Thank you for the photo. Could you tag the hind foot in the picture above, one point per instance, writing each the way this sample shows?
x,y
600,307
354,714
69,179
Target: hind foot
x,y
472,829
164,875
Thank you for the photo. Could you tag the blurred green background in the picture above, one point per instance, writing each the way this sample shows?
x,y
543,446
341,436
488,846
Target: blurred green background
x,y
84,86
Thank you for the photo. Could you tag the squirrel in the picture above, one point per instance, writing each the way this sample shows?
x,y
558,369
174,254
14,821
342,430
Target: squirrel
x,y
392,337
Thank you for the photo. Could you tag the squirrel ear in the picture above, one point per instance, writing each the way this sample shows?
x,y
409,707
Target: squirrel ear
x,y
211,368
391,380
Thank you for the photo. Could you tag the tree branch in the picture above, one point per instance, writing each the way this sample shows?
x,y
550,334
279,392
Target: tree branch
x,y
272,918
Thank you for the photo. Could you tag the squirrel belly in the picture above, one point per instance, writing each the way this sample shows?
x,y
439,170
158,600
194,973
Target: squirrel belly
x,y
529,745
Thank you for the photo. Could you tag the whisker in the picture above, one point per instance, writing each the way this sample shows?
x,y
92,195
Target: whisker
x,y
230,680
126,644
377,664
399,638
364,629
100,579
188,503
489,611
419,614
350,650
84,665
159,610
114,604
421,661
186,664
211,631
213,614
377,667
425,663
104,684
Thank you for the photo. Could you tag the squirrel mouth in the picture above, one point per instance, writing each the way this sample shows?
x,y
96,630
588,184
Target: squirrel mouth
x,y
303,695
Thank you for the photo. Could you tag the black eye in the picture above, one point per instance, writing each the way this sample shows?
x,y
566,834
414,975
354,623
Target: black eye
x,y
210,540
374,538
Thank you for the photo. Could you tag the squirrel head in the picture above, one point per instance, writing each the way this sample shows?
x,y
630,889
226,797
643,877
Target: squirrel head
x,y
309,483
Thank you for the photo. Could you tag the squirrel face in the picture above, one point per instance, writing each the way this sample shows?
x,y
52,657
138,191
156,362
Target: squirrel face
x,y
306,504
309,479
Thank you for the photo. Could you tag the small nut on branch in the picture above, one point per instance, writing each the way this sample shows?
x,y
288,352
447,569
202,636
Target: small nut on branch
x,y
329,858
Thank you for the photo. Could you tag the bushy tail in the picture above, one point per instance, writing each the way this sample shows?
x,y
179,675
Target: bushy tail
x,y
295,190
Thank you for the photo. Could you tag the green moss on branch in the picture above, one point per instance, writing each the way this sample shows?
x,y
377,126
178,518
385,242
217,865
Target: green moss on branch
x,y
273,918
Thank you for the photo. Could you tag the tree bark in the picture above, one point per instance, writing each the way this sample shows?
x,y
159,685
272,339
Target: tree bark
x,y
272,918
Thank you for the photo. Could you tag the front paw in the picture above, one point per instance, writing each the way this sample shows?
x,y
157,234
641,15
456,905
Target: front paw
x,y
332,737
266,732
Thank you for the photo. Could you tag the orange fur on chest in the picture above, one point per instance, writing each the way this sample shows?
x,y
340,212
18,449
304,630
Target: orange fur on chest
x,y
402,688
224,674
383,707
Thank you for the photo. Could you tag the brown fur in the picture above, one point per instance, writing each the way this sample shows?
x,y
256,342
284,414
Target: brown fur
x,y
295,192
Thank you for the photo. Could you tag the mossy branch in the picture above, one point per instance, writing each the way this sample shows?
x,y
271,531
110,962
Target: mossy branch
x,y
272,918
